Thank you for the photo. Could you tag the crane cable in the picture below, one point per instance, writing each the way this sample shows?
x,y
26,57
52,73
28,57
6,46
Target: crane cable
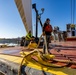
x,y
72,11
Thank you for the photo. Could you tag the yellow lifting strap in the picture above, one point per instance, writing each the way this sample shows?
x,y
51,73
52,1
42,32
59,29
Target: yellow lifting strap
x,y
32,45
36,52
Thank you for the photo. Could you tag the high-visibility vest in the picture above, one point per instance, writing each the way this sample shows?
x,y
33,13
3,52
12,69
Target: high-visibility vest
x,y
28,36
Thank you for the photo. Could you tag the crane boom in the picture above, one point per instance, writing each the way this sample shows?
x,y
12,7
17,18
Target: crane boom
x,y
25,11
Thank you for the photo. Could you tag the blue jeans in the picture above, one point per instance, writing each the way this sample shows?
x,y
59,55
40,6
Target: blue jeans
x,y
26,43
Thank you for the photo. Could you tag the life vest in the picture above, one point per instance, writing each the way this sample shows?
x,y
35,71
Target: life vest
x,y
48,28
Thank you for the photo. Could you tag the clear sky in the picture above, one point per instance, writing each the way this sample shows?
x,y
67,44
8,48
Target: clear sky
x,y
11,25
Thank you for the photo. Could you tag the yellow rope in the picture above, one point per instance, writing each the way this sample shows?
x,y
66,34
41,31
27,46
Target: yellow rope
x,y
36,50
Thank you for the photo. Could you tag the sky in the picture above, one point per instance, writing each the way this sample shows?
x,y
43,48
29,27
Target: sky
x,y
11,25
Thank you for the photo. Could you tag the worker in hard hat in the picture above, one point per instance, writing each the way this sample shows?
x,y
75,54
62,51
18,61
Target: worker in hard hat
x,y
28,38
47,30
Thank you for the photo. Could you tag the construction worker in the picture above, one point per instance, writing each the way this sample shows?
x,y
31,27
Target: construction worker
x,y
28,38
47,29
